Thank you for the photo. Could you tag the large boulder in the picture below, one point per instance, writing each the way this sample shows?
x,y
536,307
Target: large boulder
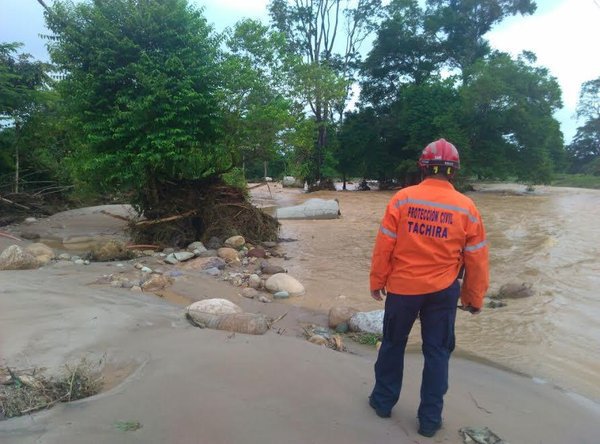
x,y
340,315
214,306
236,242
228,254
111,250
311,209
369,322
515,291
284,282
16,258
157,282
291,181
42,252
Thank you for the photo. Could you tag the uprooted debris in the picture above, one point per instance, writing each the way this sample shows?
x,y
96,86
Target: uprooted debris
x,y
323,336
23,392
479,435
186,211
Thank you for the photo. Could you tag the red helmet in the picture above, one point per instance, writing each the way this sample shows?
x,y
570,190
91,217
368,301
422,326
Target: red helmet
x,y
440,152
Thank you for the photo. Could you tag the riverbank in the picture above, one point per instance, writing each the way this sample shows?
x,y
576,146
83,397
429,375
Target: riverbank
x,y
187,385
217,387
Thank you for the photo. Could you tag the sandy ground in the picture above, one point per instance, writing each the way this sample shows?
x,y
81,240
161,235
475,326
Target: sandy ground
x,y
188,385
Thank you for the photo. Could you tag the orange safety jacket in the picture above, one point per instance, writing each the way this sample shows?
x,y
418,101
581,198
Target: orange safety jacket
x,y
428,233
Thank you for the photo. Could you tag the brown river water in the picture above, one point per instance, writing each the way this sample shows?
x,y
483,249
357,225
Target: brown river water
x,y
549,238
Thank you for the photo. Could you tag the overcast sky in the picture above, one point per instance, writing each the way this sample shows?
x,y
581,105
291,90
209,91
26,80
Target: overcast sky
x,y
564,34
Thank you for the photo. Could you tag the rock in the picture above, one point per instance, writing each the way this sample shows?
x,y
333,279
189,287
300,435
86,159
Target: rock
x,y
249,293
264,299
229,254
272,269
237,281
42,252
15,258
214,306
318,340
168,251
281,295
79,262
171,259
136,288
257,252
269,244
138,266
236,242
174,273
183,256
339,315
369,322
496,304
196,246
342,327
515,291
254,281
212,271
157,282
146,270
479,435
111,250
311,209
75,258
214,243
208,253
30,220
29,235
86,262
284,282
64,257
148,253
204,263
291,181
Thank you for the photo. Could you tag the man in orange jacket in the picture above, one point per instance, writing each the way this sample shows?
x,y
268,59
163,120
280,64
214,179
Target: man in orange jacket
x,y
429,234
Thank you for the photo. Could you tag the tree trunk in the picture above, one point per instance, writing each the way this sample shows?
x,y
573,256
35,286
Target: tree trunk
x,y
17,161
265,169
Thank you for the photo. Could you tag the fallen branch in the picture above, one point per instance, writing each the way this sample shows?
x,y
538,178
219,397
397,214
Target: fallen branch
x,y
14,203
166,219
10,236
116,216
138,246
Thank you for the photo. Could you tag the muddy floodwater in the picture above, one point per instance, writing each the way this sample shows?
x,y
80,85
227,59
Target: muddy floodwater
x,y
549,238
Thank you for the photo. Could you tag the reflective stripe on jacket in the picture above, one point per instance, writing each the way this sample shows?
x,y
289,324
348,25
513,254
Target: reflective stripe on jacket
x,y
428,233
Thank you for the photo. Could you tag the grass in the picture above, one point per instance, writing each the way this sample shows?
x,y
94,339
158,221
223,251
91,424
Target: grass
x,y
576,180
26,392
365,338
128,426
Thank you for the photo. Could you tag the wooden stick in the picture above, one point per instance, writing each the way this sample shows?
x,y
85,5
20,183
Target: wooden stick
x,y
166,219
14,203
138,246
3,234
116,216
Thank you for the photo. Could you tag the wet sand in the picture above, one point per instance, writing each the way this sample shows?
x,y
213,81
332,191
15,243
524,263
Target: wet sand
x,y
189,385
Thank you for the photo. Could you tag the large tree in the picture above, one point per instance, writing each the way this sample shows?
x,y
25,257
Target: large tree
x,y
139,89
585,148
327,34
24,90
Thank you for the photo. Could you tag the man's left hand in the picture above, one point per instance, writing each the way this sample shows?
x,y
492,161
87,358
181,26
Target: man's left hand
x,y
377,294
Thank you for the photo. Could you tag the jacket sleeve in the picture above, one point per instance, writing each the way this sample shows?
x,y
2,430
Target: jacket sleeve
x,y
477,275
381,262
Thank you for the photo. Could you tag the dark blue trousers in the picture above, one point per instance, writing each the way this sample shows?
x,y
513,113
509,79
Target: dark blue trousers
x,y
437,313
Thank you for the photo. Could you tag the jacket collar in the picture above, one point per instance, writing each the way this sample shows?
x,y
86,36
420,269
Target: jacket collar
x,y
438,183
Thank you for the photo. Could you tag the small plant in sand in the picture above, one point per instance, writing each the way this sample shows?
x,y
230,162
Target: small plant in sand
x,y
24,392
365,338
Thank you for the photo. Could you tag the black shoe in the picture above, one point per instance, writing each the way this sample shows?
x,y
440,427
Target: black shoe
x,y
429,431
378,412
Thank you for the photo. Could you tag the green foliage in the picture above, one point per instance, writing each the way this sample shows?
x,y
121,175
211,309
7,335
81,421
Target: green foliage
x,y
139,91
577,180
585,148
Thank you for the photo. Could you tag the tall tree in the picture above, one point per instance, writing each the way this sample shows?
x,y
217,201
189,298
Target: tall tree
x,y
313,29
140,92
24,87
460,26
509,106
255,91
585,147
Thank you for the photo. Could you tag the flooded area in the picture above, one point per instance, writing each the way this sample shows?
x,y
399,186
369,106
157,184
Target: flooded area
x,y
548,238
